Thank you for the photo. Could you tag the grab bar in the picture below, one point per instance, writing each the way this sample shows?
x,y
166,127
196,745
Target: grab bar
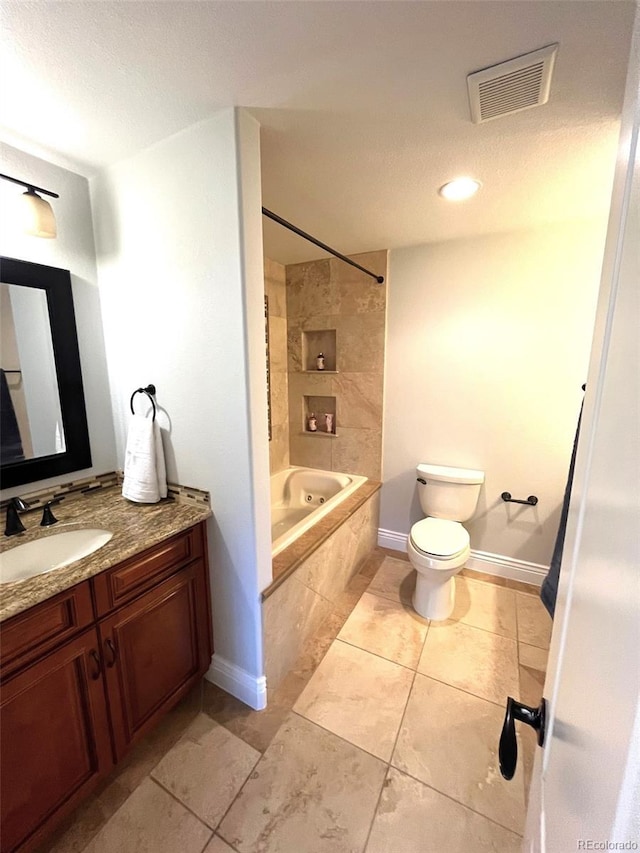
x,y
532,500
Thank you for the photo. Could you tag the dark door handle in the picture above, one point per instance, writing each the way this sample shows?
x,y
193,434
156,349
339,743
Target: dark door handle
x,y
112,652
95,657
534,717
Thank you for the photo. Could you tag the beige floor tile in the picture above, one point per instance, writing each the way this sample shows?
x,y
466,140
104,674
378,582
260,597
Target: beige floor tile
x,y
395,579
528,588
486,606
526,754
533,657
534,623
151,821
217,845
89,818
206,769
531,686
386,628
256,728
449,740
474,660
358,696
310,793
412,818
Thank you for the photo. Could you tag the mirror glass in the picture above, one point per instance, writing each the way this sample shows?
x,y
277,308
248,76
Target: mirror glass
x,y
43,430
32,417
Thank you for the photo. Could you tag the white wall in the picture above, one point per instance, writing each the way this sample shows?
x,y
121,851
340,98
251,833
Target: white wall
x,y
487,348
73,249
179,248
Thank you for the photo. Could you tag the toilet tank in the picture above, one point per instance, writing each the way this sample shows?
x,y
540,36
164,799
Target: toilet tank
x,y
450,493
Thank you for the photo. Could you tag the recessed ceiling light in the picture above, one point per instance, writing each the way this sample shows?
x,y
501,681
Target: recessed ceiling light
x,y
459,189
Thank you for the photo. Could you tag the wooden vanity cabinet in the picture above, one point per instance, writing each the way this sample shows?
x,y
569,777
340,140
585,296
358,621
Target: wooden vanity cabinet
x,y
54,740
154,649
83,677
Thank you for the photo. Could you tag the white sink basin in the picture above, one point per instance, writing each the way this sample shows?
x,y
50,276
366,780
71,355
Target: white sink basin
x,y
49,553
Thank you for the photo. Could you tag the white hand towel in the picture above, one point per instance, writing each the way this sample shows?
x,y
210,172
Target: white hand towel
x,y
145,477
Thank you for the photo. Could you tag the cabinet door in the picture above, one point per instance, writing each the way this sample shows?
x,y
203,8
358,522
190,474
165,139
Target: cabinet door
x,y
155,649
54,740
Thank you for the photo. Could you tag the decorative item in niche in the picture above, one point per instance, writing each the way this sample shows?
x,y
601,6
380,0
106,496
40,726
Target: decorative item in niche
x,y
42,399
319,415
319,350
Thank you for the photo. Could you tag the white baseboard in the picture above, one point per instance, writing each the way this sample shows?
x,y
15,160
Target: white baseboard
x,y
393,540
507,567
480,561
238,682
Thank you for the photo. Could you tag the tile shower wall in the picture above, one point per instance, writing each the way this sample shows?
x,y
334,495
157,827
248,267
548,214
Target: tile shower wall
x,y
327,295
275,290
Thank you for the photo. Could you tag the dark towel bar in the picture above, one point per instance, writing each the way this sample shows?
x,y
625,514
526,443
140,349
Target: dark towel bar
x,y
532,500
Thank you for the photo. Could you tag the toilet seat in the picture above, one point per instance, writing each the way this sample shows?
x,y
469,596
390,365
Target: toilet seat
x,y
439,538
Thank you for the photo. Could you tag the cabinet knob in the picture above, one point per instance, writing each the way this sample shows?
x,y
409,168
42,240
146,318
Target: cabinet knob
x,y
95,657
534,717
112,652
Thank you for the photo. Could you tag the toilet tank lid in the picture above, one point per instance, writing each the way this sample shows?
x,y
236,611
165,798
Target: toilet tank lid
x,y
445,474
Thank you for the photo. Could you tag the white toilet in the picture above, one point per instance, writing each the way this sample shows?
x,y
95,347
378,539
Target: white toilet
x,y
438,545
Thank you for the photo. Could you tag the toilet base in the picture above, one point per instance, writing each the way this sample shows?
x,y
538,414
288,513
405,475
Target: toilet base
x,y
434,600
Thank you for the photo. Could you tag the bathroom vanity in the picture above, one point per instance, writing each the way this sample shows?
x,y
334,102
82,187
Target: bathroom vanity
x,y
90,669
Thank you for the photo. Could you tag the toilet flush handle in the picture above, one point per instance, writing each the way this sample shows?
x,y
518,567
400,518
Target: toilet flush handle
x,y
420,480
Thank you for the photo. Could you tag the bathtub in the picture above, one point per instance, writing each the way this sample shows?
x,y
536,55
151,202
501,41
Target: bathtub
x,y
301,496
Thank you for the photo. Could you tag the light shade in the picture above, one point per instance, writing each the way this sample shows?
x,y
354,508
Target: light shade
x,y
459,189
37,215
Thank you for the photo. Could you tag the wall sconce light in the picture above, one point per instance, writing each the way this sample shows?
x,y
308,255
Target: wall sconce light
x,y
37,215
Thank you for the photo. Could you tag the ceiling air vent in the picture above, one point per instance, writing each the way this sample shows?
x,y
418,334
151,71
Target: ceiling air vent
x,y
511,86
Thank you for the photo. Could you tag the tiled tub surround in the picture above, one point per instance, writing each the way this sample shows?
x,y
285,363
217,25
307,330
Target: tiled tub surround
x,y
331,296
338,763
300,497
315,571
135,527
275,291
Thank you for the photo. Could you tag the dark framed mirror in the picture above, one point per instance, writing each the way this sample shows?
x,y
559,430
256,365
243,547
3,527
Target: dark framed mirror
x,y
44,429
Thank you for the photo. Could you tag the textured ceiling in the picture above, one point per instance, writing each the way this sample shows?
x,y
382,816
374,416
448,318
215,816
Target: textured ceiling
x,y
363,105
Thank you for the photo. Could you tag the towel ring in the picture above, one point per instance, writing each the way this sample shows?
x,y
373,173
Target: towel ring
x,y
149,390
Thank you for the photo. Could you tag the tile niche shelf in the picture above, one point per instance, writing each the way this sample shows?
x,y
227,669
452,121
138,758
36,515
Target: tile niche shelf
x,y
320,406
315,342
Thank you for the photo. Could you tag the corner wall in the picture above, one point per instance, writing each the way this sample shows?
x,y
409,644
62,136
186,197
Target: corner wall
x,y
73,249
487,348
179,245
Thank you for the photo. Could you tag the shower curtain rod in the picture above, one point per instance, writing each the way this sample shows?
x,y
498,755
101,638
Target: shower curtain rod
x,y
301,233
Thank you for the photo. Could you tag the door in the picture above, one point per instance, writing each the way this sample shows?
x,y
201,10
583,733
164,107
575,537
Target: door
x,y
155,649
586,782
54,739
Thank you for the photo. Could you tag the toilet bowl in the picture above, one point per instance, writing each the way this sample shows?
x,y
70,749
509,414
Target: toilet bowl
x,y
438,545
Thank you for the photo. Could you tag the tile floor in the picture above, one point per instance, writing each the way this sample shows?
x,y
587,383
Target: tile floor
x,y
383,739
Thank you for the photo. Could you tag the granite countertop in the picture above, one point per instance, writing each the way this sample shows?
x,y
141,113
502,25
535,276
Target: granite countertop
x,y
135,527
